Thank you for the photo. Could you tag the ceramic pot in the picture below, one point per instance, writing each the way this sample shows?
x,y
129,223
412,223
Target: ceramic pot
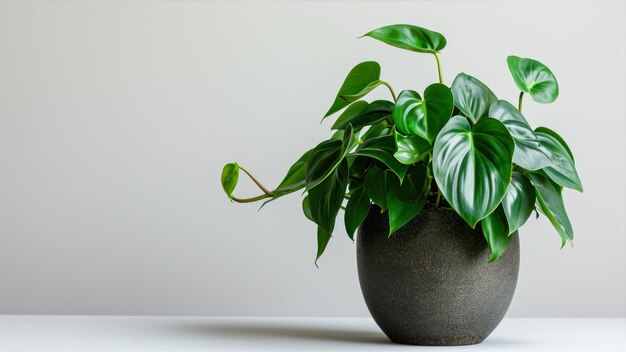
x,y
430,283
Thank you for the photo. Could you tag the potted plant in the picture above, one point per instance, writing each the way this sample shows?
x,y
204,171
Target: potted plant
x,y
437,185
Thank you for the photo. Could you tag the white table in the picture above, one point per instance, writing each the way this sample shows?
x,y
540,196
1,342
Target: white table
x,y
136,334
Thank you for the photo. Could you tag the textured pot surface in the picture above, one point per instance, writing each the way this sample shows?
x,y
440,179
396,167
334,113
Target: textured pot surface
x,y
430,283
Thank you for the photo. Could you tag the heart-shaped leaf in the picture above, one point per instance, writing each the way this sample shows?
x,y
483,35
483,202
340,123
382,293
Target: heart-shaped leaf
x,y
409,37
531,76
382,149
361,114
472,165
564,171
496,232
472,96
325,157
230,176
376,187
410,149
529,152
519,201
357,208
326,199
424,117
551,205
359,77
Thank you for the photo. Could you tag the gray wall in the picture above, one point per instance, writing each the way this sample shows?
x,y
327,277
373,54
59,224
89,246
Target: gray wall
x,y
116,118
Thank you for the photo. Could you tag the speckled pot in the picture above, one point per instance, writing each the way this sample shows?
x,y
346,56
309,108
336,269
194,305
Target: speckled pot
x,y
430,283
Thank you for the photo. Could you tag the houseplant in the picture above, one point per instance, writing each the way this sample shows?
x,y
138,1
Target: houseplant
x,y
438,185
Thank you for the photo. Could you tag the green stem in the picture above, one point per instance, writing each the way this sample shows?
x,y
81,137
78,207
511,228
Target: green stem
x,y
249,200
439,67
265,190
519,104
393,94
438,199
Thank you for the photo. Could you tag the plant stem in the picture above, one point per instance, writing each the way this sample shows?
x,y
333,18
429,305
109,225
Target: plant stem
x,y
265,190
519,104
250,200
439,67
393,94
438,199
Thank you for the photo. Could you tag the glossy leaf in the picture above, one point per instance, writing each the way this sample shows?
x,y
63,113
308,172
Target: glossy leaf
x,y
357,208
519,201
363,92
472,165
472,96
367,114
410,149
359,77
294,179
323,237
376,130
535,78
306,208
325,200
424,117
551,205
325,158
376,187
410,37
382,149
405,200
496,232
564,171
529,152
230,176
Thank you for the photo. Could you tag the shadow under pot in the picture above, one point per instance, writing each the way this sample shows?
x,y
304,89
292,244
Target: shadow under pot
x,y
430,283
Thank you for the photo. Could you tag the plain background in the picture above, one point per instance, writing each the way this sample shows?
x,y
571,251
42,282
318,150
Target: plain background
x,y
116,118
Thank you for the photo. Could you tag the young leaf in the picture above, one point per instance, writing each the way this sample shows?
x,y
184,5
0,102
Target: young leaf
x,y
531,76
323,237
472,96
409,37
424,117
472,165
382,149
359,77
564,172
325,158
551,204
375,187
356,210
364,114
529,152
326,199
496,233
519,201
410,149
230,176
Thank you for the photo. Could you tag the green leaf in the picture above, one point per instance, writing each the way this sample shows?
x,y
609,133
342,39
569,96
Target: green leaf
x,y
294,179
424,117
472,96
531,76
382,149
472,165
551,205
376,187
496,233
410,149
306,208
409,37
323,237
325,200
364,114
564,171
404,200
376,130
357,208
519,201
359,77
230,176
529,152
368,88
325,157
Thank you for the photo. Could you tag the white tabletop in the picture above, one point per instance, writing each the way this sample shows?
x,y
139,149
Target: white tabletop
x,y
120,334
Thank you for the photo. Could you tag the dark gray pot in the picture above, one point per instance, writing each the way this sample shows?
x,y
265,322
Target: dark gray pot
x,y
430,283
